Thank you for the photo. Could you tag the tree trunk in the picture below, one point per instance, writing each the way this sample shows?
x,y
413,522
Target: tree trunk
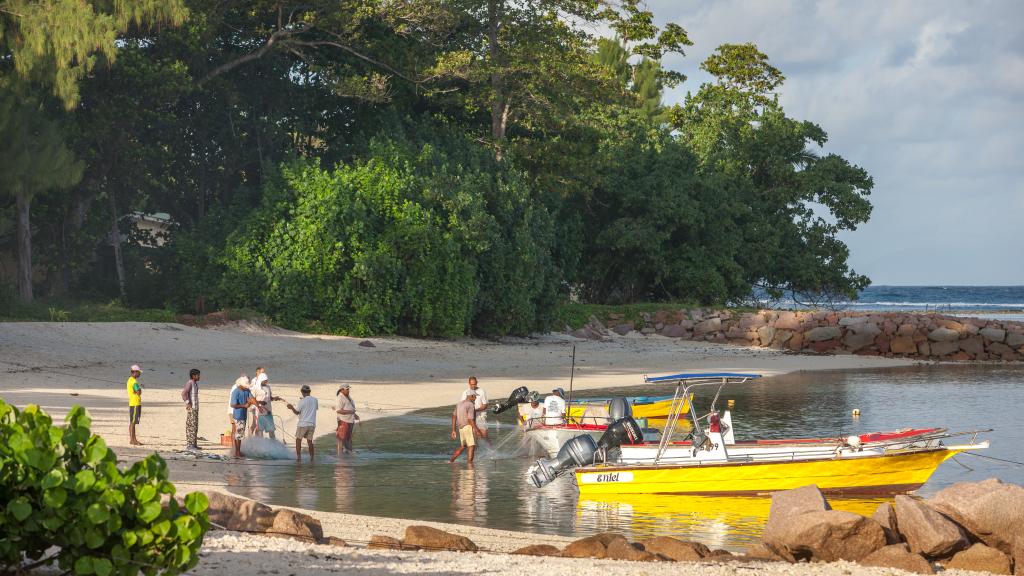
x,y
115,241
499,111
24,234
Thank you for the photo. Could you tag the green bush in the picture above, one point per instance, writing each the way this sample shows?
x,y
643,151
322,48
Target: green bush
x,y
61,488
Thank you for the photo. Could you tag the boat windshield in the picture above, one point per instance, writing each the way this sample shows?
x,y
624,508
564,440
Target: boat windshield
x,y
686,384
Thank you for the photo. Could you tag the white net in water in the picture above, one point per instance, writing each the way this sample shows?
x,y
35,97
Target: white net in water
x,y
266,449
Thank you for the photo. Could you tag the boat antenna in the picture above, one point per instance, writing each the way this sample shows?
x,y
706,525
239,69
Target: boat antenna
x,y
572,372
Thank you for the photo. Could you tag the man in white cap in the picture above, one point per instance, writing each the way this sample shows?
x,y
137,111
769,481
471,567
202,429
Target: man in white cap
x,y
241,400
263,420
480,404
134,403
464,428
347,417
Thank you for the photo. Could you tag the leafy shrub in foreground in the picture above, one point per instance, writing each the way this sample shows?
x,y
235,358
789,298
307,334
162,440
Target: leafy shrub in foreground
x,y
60,487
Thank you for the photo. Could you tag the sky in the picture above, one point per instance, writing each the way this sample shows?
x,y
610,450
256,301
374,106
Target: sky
x,y
927,96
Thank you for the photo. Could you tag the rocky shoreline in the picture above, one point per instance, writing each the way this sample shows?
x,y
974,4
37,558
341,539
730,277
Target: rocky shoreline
x,y
922,336
968,526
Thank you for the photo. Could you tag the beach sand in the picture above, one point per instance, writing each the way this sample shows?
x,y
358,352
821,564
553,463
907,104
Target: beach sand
x,y
58,365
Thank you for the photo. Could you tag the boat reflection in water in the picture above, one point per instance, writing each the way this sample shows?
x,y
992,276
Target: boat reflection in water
x,y
716,521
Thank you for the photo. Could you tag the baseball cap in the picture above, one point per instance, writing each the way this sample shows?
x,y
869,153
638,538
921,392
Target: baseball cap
x,y
305,388
534,396
344,385
135,368
242,381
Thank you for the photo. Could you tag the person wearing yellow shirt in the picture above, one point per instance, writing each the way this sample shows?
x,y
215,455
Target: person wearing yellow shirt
x,y
134,403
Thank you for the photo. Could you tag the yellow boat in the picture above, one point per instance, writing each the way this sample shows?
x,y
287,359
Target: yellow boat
x,y
655,411
881,473
713,462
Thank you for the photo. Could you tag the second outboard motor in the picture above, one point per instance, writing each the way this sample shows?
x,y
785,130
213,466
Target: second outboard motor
x,y
579,451
622,431
518,395
619,408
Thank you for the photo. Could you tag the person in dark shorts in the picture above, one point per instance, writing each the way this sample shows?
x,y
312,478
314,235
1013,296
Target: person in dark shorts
x,y
134,403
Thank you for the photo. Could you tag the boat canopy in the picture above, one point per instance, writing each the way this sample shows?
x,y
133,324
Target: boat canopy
x,y
706,376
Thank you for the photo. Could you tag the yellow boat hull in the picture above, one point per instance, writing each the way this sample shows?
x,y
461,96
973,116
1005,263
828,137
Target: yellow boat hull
x,y
882,474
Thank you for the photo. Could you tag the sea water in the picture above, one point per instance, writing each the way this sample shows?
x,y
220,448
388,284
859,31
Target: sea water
x,y
401,468
997,302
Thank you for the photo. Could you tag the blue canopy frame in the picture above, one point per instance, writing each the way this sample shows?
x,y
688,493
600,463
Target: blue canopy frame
x,y
679,377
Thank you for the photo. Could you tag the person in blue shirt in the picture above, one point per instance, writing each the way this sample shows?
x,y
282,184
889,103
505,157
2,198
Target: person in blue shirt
x,y
241,399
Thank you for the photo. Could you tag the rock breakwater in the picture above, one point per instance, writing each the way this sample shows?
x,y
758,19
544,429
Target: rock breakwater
x,y
890,334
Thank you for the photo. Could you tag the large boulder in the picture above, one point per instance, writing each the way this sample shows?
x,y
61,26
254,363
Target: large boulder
x,y
981,558
993,334
708,326
991,510
973,345
223,507
595,546
853,320
1015,339
827,536
944,348
787,321
885,515
251,516
926,531
297,524
675,549
861,335
900,557
539,550
623,550
429,538
903,345
823,333
765,335
944,335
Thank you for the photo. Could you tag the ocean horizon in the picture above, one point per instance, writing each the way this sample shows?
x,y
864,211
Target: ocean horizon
x,y
993,302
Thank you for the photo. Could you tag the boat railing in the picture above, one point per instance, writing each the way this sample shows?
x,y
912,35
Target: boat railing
x,y
920,443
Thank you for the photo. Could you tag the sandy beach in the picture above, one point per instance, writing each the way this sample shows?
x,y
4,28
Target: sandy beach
x,y
58,365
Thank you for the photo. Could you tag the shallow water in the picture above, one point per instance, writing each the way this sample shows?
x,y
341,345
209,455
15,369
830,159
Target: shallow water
x,y
401,468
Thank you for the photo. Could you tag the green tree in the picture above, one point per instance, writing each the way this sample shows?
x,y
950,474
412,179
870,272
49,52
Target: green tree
x,y
58,42
790,200
36,159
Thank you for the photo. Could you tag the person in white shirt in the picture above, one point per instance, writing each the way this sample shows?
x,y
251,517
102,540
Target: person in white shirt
x,y
264,419
534,415
306,412
480,404
345,408
554,408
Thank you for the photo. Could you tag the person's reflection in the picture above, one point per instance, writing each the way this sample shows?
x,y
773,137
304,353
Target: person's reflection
x,y
307,491
469,493
551,505
344,486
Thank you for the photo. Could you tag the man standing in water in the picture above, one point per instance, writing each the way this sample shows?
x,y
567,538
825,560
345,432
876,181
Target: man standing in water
x,y
190,395
307,422
464,428
241,399
480,404
347,417
134,403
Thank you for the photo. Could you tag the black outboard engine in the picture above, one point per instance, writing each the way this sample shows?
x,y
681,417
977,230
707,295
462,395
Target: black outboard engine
x,y
518,395
579,451
622,431
619,408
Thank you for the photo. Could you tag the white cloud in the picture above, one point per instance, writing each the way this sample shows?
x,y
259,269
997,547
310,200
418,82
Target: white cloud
x,y
927,96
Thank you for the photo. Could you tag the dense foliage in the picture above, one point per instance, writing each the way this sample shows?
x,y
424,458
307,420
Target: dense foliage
x,y
408,167
66,502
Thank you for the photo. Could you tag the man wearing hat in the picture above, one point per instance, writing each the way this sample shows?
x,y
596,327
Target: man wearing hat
x,y
554,408
241,400
134,403
304,428
464,428
346,411
534,415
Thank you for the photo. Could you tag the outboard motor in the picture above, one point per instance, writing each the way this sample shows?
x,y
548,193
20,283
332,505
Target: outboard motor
x,y
579,451
622,431
619,408
518,396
